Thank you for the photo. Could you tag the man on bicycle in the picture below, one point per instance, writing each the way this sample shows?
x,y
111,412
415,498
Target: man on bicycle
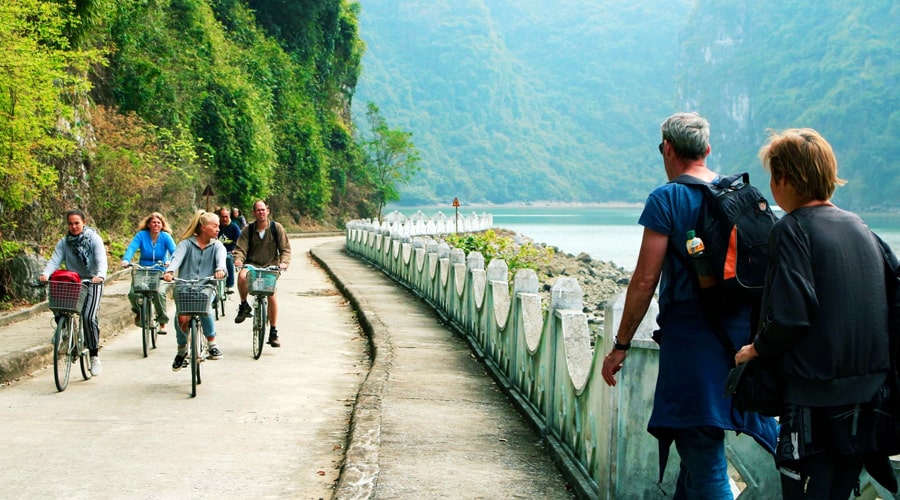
x,y
263,243
229,232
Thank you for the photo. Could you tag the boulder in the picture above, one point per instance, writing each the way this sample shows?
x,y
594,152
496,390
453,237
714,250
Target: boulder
x,y
21,273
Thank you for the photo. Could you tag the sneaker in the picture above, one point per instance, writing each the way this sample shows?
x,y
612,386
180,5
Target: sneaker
x,y
162,330
137,320
214,352
96,367
180,361
244,312
273,338
229,291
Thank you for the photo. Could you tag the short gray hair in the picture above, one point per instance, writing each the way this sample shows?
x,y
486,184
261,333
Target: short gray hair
x,y
688,133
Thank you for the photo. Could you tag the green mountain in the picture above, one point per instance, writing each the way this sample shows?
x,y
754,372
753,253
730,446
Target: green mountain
x,y
524,101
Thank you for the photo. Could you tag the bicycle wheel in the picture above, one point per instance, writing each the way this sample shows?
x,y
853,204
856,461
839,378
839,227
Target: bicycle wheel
x,y
195,356
216,304
84,356
62,347
154,331
259,328
146,312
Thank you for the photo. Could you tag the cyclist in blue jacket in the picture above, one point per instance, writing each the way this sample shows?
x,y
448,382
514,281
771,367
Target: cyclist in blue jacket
x,y
156,246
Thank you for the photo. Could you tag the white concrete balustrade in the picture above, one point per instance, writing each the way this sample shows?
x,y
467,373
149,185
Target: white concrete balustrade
x,y
542,357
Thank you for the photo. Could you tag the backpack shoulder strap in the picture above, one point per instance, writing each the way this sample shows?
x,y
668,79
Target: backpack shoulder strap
x,y
275,235
273,230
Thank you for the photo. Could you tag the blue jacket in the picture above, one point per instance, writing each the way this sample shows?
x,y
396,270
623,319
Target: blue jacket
x,y
229,235
162,250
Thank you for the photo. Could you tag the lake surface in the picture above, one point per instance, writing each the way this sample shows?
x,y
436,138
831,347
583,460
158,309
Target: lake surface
x,y
608,234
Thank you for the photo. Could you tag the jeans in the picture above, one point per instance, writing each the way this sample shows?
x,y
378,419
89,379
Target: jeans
x,y
229,265
207,322
704,470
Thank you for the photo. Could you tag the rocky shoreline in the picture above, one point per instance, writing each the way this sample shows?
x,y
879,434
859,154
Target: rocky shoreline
x,y
601,281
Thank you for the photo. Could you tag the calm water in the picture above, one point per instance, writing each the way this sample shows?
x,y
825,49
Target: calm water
x,y
610,234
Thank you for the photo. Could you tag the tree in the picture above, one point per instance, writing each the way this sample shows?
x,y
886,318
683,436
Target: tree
x,y
39,76
391,158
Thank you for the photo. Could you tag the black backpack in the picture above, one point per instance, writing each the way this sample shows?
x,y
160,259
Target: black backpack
x,y
734,224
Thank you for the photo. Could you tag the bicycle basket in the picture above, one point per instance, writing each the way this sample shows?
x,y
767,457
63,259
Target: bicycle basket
x,y
262,281
193,299
145,280
67,297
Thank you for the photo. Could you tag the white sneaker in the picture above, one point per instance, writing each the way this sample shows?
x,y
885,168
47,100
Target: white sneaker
x,y
96,367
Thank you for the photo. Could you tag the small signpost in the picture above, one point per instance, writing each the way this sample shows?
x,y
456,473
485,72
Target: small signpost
x,y
207,192
456,206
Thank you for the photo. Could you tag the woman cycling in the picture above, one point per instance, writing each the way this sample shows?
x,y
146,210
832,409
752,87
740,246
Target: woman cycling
x,y
156,246
238,218
198,255
82,251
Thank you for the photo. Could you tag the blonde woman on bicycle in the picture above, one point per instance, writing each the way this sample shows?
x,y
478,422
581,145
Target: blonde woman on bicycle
x,y
198,255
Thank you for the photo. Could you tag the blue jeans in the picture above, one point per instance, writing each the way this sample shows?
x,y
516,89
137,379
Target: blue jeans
x,y
704,470
209,328
229,265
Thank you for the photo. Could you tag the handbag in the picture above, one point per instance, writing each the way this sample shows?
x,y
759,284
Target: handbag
x,y
755,387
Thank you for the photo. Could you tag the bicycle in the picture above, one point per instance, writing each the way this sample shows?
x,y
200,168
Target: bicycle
x,y
261,283
219,301
145,281
193,298
66,301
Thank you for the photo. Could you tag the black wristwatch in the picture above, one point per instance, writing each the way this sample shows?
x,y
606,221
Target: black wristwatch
x,y
620,347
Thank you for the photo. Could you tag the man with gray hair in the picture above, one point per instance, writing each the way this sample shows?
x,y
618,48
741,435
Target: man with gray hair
x,y
688,407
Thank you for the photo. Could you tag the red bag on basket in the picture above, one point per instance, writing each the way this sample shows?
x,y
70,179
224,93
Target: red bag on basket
x,y
65,291
67,276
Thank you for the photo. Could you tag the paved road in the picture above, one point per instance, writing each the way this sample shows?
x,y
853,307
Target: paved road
x,y
404,410
267,428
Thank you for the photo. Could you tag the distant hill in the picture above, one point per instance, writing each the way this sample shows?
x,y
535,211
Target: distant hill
x,y
522,101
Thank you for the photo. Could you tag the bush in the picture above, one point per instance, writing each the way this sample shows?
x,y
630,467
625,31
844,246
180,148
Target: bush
x,y
495,246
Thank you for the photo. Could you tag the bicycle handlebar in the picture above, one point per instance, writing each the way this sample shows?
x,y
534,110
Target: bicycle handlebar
x,y
156,266
195,281
251,266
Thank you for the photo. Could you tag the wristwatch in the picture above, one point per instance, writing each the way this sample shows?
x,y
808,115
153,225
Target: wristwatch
x,y
620,347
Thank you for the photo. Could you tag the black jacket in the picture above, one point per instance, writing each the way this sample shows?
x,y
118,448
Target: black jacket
x,y
825,308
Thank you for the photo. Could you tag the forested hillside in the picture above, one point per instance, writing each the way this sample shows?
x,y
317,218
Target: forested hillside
x,y
122,107
772,64
524,101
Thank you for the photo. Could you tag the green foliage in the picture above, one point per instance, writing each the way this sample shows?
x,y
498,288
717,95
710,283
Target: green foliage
x,y
255,95
494,246
38,75
9,249
528,100
143,169
391,158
